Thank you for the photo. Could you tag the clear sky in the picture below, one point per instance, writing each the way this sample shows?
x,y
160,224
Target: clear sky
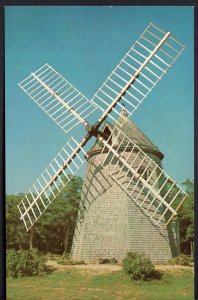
x,y
84,44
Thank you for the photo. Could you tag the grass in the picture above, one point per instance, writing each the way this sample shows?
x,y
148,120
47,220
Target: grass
x,y
73,284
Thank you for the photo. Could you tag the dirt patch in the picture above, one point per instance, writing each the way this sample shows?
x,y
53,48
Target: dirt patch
x,y
108,268
51,264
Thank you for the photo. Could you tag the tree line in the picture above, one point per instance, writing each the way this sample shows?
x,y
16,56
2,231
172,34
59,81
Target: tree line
x,y
53,232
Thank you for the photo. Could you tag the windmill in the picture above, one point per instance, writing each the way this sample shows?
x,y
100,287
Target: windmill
x,y
120,160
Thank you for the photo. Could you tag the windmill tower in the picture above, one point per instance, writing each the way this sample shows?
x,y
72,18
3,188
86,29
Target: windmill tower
x,y
109,223
122,158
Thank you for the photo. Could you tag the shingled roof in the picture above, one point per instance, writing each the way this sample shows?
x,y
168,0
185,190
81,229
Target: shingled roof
x,y
133,133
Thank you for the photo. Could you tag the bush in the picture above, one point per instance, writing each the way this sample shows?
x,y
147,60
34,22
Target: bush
x,y
52,256
66,255
138,266
24,263
65,260
182,260
112,261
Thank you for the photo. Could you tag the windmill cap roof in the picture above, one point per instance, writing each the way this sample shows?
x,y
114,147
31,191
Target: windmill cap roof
x,y
133,133
136,135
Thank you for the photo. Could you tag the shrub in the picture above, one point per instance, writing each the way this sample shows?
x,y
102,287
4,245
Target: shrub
x,y
191,259
65,260
24,263
112,261
52,256
11,263
182,260
138,266
66,255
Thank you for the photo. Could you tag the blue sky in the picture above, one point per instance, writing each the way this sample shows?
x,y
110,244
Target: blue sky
x,y
84,44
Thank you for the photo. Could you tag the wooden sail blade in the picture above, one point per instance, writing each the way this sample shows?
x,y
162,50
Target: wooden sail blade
x,y
138,73
58,98
51,182
158,196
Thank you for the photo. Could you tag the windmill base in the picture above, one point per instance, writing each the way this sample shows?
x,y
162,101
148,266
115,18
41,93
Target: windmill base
x,y
113,225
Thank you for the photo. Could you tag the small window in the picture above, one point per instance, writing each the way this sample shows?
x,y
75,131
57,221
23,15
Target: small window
x,y
107,134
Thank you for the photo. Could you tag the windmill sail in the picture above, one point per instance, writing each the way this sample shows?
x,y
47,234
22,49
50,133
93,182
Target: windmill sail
x,y
129,84
142,179
58,98
55,177
137,73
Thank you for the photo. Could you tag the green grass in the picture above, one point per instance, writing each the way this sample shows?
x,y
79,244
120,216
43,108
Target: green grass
x,y
86,285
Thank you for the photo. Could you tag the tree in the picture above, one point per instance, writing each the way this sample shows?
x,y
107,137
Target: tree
x,y
52,232
16,235
186,219
57,224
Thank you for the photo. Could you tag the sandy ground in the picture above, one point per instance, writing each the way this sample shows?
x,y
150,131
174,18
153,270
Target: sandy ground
x,y
103,268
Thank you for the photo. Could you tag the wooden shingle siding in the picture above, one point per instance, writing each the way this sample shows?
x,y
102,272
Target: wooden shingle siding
x,y
110,223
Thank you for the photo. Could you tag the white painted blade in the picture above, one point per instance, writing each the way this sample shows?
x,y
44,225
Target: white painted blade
x,y
55,177
158,196
138,73
58,98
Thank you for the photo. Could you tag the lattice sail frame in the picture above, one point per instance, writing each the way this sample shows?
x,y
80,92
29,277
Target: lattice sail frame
x,y
138,73
141,177
58,98
131,81
51,182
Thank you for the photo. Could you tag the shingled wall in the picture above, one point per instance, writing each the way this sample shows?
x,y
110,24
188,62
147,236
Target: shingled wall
x,y
109,222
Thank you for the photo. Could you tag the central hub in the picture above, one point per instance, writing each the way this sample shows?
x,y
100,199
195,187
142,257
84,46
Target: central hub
x,y
93,131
